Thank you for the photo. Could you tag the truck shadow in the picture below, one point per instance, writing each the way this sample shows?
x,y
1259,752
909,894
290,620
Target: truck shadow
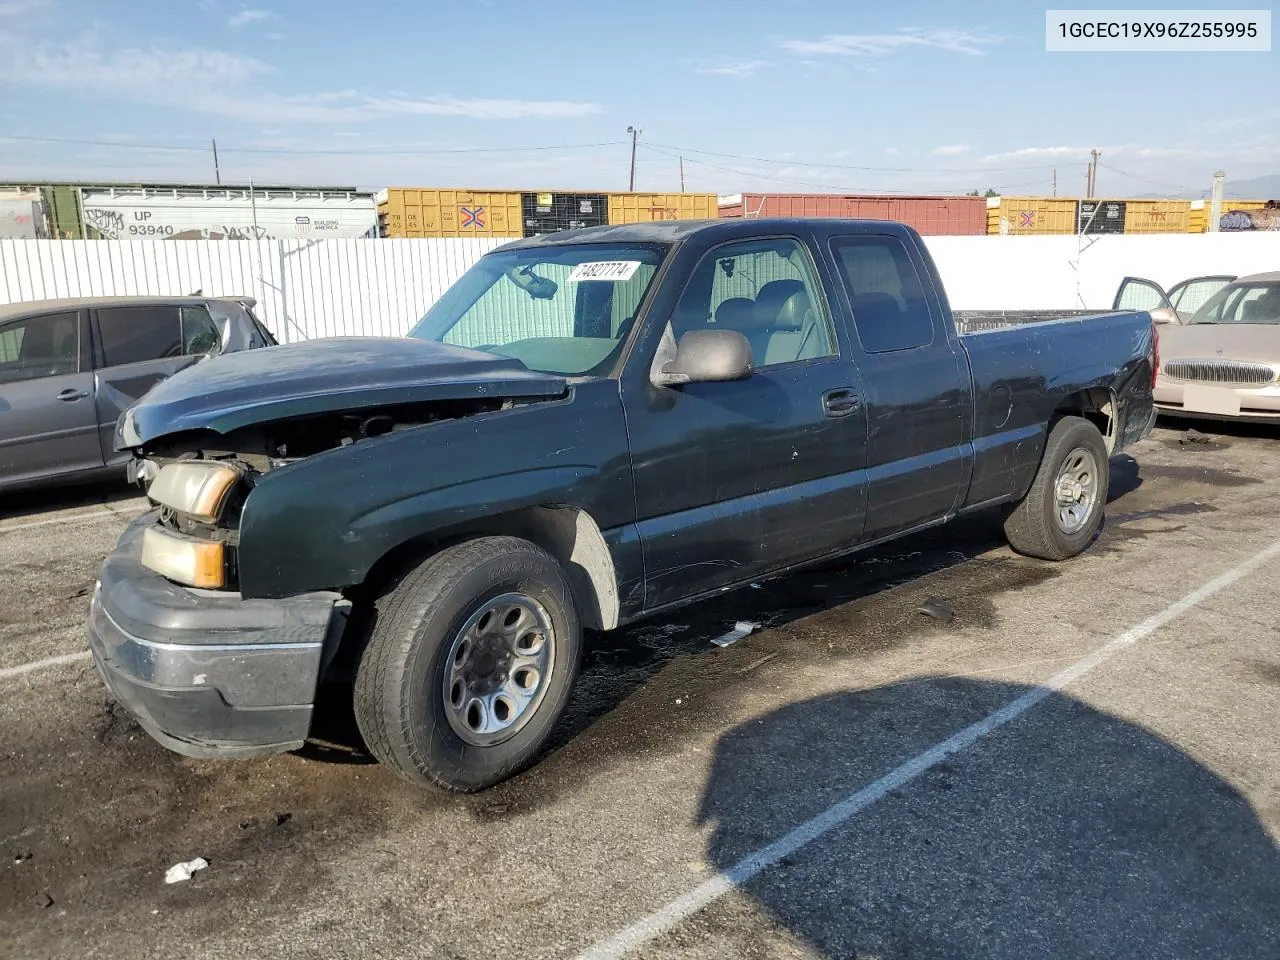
x,y
1067,833
68,496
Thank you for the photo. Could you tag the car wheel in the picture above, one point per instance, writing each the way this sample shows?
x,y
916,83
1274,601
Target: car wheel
x,y
1061,513
469,664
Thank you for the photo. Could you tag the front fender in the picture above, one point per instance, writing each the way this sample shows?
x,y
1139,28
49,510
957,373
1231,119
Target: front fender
x,y
328,519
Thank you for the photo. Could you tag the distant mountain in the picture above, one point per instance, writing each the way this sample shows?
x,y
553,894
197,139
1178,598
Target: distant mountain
x,y
1257,188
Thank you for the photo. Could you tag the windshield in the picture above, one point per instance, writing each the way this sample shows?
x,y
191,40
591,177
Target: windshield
x,y
557,309
1242,303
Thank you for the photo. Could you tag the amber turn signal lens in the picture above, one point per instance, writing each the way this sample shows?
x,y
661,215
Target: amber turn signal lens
x,y
188,560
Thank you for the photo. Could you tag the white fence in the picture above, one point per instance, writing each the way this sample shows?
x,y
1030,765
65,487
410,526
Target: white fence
x,y
380,287
305,289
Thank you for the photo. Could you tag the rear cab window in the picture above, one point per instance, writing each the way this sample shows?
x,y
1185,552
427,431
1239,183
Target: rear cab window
x,y
890,310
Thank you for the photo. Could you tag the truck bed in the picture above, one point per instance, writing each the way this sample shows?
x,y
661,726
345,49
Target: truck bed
x,y
975,321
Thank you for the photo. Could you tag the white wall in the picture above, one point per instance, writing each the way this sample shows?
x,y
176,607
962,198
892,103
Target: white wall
x,y
322,288
1045,273
304,288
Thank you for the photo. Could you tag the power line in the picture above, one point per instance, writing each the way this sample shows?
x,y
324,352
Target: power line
x,y
1134,176
827,185
223,150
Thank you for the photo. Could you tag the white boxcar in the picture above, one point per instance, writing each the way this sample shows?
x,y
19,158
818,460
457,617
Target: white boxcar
x,y
226,213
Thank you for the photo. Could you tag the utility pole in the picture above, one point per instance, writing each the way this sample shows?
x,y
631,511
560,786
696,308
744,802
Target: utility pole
x,y
217,173
631,183
1055,181
1093,173
682,174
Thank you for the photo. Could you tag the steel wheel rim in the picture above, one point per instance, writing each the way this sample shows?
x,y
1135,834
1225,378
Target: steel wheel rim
x,y
1076,490
498,669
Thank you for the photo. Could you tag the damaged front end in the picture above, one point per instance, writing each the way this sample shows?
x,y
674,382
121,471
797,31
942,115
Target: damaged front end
x,y
199,481
202,440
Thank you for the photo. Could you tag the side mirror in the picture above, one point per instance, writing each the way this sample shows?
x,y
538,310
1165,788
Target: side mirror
x,y
1164,315
704,356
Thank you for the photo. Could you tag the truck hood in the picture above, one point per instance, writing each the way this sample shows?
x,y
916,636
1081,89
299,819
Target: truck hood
x,y
323,376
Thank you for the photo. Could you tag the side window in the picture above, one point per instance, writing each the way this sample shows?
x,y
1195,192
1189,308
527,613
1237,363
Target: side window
x,y
46,346
1136,294
767,291
889,307
199,333
134,334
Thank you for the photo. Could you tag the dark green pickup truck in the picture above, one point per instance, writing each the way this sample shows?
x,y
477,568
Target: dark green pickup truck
x,y
588,428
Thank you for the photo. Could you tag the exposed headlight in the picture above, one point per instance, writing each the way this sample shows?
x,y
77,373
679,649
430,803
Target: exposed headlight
x,y
195,562
198,488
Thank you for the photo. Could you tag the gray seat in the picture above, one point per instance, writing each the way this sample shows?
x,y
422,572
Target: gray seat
x,y
787,324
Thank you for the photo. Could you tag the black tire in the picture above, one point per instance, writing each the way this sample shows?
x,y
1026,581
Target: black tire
x,y
1033,527
400,702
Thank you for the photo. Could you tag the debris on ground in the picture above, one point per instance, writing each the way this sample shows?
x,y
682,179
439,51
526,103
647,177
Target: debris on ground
x,y
44,901
283,818
937,608
740,629
1194,436
757,663
21,857
181,872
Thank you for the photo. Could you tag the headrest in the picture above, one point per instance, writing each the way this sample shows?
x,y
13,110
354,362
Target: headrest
x,y
736,313
772,298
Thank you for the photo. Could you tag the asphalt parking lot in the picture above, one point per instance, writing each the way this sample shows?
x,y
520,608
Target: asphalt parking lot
x,y
1108,780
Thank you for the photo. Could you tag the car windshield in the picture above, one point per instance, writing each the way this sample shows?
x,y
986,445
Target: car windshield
x,y
1242,303
564,309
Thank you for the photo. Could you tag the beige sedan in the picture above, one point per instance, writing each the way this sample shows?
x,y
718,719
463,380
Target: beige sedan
x,y
1220,356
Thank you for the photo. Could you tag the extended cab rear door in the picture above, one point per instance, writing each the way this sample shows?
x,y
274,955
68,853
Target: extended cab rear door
x,y
734,479
916,386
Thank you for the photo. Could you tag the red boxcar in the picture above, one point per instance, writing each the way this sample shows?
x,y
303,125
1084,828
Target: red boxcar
x,y
930,216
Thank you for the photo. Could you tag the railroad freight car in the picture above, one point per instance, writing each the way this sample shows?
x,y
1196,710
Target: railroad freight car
x,y
930,216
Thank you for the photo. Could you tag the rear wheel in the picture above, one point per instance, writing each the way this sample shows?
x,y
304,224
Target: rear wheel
x,y
1061,513
469,665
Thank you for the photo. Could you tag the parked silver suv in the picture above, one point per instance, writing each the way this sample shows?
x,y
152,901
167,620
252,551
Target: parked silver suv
x,y
69,368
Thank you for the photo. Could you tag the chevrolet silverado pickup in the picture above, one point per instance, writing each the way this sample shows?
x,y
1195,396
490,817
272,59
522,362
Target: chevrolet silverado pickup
x,y
588,428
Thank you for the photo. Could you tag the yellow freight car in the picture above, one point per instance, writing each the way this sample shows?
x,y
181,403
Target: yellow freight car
x,y
643,207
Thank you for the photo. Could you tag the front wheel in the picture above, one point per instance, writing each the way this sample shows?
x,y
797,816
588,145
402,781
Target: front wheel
x,y
1061,513
469,665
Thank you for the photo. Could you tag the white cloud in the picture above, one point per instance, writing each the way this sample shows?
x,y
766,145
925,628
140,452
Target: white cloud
x,y
735,69
12,8
1034,153
246,17
952,150
228,84
878,44
480,108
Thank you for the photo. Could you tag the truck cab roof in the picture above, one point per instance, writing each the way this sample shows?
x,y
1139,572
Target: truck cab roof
x,y
674,231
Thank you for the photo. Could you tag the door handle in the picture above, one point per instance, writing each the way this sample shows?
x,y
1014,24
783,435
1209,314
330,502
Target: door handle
x,y
71,393
840,402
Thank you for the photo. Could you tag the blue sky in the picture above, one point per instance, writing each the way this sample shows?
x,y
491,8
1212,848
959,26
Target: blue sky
x,y
823,94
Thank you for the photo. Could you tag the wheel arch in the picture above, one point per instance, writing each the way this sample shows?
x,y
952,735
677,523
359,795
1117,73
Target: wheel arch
x,y
566,531
1095,404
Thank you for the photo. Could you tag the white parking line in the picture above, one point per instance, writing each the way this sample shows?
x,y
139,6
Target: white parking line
x,y
66,519
6,672
663,919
